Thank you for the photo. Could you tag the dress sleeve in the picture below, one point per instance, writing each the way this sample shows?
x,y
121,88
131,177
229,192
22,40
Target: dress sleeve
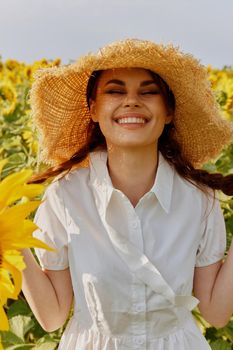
x,y
212,245
50,218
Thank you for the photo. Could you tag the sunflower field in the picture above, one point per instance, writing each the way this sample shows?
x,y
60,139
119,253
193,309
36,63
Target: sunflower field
x,y
18,158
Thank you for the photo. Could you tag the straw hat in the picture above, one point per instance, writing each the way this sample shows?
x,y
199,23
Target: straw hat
x,y
61,114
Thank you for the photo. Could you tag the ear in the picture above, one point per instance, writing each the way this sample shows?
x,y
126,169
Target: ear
x,y
169,118
93,111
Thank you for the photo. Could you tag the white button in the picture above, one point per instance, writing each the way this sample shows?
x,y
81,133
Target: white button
x,y
139,341
135,224
138,308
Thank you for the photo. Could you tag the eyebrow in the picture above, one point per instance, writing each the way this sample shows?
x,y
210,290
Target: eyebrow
x,y
122,83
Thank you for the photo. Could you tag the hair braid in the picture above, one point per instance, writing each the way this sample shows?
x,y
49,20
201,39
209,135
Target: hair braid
x,y
201,178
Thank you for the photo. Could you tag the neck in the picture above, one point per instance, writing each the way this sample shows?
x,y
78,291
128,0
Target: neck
x,y
133,171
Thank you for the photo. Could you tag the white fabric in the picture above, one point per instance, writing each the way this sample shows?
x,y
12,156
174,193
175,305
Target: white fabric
x,y
131,268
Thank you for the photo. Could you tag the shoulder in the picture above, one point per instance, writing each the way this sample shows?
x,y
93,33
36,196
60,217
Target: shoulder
x,y
189,191
71,180
54,192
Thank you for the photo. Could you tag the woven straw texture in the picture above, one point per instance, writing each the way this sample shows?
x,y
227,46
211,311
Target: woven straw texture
x,y
61,114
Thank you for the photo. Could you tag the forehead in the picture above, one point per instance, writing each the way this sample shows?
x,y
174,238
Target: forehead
x,y
137,74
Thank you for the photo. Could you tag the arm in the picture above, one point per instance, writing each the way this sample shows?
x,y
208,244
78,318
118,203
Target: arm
x,y
213,286
49,293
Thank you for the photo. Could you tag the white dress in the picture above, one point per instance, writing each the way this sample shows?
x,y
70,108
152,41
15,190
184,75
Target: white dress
x,y
132,268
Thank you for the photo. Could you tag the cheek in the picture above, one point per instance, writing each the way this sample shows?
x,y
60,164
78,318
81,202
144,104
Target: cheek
x,y
105,110
161,110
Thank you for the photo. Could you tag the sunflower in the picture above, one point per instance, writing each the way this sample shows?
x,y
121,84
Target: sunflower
x,y
16,233
8,98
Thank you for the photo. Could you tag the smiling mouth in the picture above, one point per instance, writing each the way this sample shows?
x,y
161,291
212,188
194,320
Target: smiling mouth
x,y
131,120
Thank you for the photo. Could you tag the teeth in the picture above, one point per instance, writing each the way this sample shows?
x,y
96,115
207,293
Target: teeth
x,y
131,120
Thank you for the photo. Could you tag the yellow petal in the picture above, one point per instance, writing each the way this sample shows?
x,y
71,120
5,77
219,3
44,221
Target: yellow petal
x,y
15,258
31,242
15,233
6,286
19,236
36,243
17,278
12,181
29,226
11,218
4,324
16,178
29,191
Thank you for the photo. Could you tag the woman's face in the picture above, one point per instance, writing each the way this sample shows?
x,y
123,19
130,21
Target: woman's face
x,y
129,108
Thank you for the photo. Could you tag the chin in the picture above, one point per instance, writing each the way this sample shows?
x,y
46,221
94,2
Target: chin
x,y
131,145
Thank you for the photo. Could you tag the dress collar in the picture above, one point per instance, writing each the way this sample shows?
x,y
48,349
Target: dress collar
x,y
102,184
163,185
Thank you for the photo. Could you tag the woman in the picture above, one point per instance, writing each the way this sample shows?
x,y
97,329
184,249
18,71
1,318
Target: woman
x,y
135,222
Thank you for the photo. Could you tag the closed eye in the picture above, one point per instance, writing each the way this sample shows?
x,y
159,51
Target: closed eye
x,y
122,92
150,92
114,92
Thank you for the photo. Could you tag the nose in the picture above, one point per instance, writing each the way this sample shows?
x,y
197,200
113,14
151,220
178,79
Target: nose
x,y
132,100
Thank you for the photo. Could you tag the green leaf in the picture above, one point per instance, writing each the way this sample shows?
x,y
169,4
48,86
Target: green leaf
x,y
221,97
19,307
17,158
9,338
11,141
20,325
36,331
220,344
16,162
46,346
21,347
229,331
210,167
211,333
48,337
